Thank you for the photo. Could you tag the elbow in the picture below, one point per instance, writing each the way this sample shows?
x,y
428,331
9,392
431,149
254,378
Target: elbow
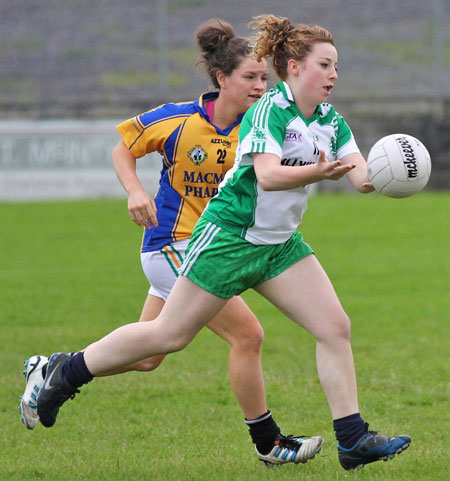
x,y
360,188
364,188
264,186
266,183
115,154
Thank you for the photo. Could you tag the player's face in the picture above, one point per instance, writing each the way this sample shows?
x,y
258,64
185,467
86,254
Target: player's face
x,y
246,84
318,72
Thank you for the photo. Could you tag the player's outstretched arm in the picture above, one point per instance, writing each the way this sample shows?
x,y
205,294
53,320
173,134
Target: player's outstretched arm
x,y
358,176
272,175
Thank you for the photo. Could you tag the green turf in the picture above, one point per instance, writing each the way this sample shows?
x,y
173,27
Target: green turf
x,y
70,273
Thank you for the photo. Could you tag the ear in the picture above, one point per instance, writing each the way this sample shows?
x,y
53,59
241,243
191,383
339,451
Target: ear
x,y
293,67
220,76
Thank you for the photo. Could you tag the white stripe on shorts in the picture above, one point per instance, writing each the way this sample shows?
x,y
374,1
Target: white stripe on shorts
x,y
205,238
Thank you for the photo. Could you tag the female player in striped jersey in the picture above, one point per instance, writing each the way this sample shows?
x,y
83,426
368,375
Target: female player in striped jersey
x,y
197,141
288,140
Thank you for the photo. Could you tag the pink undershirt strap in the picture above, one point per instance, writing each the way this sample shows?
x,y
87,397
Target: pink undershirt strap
x,y
210,109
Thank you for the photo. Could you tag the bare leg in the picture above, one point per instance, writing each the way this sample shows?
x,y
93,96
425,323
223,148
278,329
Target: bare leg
x,y
187,310
305,294
152,308
239,327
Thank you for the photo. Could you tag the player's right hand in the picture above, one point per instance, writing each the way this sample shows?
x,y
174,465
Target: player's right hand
x,y
142,209
332,170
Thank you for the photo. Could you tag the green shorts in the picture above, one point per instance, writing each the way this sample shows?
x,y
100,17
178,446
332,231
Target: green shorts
x,y
226,265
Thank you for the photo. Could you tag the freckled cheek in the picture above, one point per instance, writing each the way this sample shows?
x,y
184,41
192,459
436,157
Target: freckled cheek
x,y
313,80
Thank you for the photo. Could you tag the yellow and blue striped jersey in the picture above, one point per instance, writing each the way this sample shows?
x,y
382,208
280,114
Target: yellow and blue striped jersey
x,y
195,157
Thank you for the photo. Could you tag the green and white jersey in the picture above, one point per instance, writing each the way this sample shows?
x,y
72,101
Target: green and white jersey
x,y
275,125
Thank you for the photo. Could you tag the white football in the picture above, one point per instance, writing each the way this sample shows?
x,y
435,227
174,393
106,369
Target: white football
x,y
398,165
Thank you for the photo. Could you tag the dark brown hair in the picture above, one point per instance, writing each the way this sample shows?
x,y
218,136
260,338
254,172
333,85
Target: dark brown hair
x,y
221,49
278,38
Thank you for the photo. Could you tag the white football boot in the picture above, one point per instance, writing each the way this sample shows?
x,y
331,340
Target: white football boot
x,y
34,381
292,449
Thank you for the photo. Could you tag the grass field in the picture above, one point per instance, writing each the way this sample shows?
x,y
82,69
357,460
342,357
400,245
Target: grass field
x,y
70,273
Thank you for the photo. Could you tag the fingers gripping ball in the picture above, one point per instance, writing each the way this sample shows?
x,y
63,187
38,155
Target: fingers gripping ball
x,y
399,165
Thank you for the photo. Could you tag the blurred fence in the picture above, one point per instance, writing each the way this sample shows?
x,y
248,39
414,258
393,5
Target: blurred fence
x,y
72,158
63,159
60,83
123,54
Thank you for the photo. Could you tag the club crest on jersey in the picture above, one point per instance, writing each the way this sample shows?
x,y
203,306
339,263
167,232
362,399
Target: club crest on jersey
x,y
197,154
259,134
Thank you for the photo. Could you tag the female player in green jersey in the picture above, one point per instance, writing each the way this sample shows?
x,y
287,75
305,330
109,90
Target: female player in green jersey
x,y
288,140
197,141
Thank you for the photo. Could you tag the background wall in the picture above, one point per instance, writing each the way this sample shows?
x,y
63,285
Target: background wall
x,y
105,60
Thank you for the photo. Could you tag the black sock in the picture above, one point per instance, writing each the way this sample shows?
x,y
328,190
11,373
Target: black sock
x,y
349,430
264,431
76,371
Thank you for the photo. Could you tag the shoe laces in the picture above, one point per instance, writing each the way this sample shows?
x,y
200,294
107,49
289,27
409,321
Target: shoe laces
x,y
66,397
291,442
72,396
366,429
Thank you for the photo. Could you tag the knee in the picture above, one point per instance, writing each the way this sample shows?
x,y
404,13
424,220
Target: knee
x,y
151,363
336,329
249,339
176,343
167,346
342,327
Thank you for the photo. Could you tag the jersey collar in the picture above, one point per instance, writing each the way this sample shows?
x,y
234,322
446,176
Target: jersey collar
x,y
284,88
200,106
201,102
